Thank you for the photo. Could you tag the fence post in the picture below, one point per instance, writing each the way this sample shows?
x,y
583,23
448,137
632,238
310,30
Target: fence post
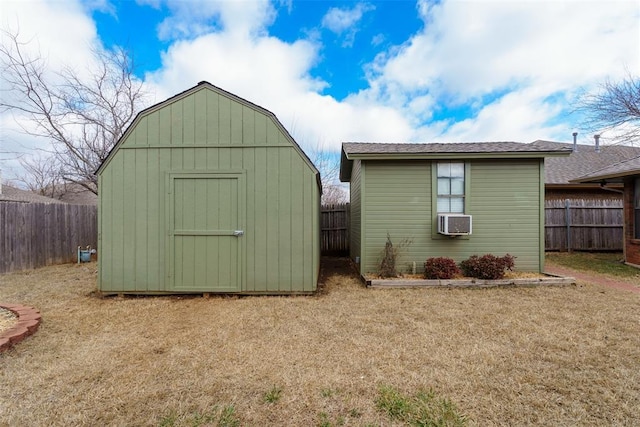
x,y
567,217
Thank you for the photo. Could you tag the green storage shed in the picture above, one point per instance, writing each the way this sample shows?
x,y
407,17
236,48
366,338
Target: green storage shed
x,y
446,200
207,192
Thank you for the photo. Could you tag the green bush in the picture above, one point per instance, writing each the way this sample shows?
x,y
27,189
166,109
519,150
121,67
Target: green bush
x,y
441,268
488,267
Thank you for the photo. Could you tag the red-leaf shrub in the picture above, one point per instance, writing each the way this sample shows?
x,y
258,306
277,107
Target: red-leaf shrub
x,y
440,268
488,267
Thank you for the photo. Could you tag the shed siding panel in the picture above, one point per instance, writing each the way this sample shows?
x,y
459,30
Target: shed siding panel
x,y
237,116
224,121
176,123
213,118
273,229
188,120
504,202
106,232
164,127
296,227
280,247
284,219
201,119
249,257
154,223
260,224
208,132
153,129
141,221
115,233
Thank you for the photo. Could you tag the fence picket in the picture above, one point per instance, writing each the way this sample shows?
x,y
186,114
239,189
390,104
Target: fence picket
x,y
583,225
36,234
334,228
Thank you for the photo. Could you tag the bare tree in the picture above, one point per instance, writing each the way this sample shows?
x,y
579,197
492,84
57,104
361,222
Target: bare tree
x,y
82,114
616,108
328,164
42,175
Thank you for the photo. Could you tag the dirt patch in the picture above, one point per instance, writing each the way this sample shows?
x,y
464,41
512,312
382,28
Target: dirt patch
x,y
7,319
513,356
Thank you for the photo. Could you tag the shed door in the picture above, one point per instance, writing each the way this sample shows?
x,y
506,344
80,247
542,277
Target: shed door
x,y
205,233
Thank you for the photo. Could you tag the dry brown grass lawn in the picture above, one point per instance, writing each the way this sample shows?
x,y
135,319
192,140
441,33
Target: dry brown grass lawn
x,y
515,356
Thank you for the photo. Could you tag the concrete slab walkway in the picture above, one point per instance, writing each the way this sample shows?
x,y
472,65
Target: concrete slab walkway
x,y
594,278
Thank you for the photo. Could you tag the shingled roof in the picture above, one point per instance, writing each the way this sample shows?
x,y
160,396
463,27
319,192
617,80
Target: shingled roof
x,y
614,172
458,147
560,171
74,194
466,150
12,194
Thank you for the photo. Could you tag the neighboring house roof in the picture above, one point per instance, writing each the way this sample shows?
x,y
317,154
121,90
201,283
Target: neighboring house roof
x,y
75,194
12,194
561,171
613,173
467,150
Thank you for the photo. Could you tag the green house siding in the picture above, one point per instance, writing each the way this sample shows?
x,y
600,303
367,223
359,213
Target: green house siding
x,y
356,212
181,166
396,201
504,201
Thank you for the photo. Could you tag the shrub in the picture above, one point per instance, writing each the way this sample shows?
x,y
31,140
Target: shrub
x,y
388,263
390,256
488,267
440,268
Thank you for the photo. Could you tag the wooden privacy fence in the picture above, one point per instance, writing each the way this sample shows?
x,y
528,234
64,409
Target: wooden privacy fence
x,y
583,225
334,229
36,234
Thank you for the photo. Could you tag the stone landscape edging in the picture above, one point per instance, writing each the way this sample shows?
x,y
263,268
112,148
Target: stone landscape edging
x,y
468,283
29,319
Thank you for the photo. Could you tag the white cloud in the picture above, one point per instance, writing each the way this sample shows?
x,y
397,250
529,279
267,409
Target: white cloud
x,y
61,32
197,17
468,50
513,64
156,4
343,21
275,75
520,115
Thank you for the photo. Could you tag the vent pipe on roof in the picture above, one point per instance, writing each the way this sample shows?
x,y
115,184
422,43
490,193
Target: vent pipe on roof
x,y
575,142
597,138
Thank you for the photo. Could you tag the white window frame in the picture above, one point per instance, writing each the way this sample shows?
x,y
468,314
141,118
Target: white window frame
x,y
447,178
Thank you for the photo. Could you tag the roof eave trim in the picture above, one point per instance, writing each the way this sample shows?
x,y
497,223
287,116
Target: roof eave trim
x,y
577,186
605,177
446,155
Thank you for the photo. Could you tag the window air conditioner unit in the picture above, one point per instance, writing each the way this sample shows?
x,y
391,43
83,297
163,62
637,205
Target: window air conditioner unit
x,y
454,224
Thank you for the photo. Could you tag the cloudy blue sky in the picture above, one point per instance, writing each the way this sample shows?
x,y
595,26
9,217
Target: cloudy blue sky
x,y
333,71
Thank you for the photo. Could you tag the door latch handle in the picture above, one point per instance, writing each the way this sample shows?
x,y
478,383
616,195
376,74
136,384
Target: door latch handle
x,y
238,233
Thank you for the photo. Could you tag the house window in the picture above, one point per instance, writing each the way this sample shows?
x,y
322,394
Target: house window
x,y
636,208
451,187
